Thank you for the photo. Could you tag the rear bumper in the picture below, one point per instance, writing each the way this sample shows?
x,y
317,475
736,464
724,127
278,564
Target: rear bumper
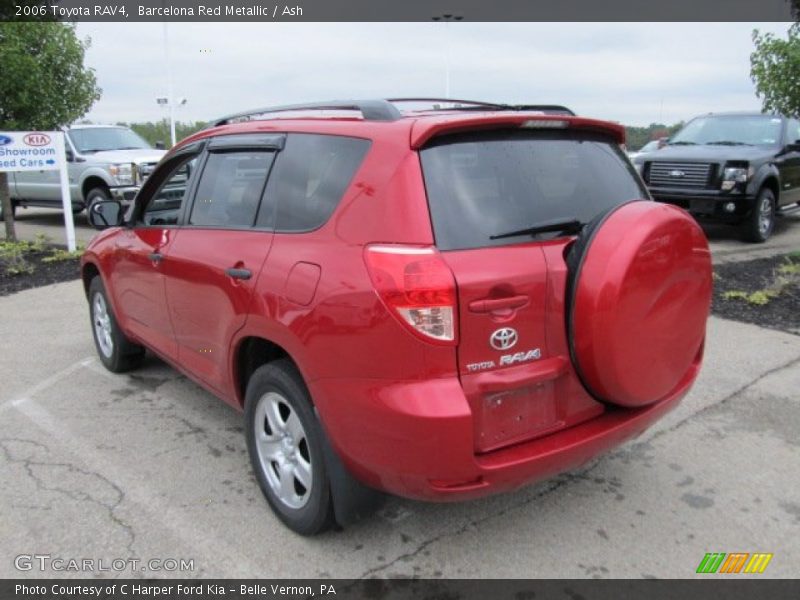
x,y
415,439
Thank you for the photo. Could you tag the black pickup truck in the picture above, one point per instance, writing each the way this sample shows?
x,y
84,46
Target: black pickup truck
x,y
741,168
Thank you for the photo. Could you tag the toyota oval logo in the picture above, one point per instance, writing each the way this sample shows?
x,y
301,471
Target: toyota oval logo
x,y
503,339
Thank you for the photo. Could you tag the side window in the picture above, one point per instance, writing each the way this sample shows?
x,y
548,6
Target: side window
x,y
230,188
310,176
793,133
165,205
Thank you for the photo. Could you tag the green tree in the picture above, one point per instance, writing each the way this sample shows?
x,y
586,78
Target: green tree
x,y
44,86
775,69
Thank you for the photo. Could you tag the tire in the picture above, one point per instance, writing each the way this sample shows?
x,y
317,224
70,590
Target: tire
x,y
285,443
97,194
643,267
3,213
117,353
758,227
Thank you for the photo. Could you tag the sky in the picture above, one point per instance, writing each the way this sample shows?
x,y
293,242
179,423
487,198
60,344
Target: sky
x,y
634,73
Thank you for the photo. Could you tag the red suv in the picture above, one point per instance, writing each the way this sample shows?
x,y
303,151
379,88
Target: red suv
x,y
440,303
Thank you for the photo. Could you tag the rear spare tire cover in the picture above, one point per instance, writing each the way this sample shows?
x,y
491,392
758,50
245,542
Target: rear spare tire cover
x,y
639,295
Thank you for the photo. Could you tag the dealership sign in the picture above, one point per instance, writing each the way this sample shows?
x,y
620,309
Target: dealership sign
x,y
31,150
39,151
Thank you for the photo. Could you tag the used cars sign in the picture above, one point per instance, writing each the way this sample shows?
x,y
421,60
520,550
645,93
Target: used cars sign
x,y
31,151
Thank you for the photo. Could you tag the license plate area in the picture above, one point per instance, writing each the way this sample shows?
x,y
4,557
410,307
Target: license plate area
x,y
515,415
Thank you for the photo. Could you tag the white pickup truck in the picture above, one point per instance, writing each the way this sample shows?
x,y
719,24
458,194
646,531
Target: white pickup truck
x,y
103,162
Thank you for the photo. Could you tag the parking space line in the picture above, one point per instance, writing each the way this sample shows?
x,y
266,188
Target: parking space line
x,y
46,383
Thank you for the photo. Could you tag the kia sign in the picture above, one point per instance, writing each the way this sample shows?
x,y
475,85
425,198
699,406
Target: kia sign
x,y
31,151
39,151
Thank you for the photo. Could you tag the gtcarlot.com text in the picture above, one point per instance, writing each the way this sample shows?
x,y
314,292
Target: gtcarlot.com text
x,y
47,562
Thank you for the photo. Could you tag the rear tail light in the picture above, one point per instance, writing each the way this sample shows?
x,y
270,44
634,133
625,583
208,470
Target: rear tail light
x,y
417,286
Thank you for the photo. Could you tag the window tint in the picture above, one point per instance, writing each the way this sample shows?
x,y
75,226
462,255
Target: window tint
x,y
310,176
485,184
165,205
793,132
230,189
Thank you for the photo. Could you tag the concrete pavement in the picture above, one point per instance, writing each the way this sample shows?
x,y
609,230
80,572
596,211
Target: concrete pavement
x,y
149,466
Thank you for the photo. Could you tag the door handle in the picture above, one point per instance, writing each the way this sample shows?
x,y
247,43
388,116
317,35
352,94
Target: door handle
x,y
238,273
487,305
155,257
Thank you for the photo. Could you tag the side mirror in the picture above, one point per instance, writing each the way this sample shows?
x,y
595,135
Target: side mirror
x,y
160,145
105,214
793,146
70,156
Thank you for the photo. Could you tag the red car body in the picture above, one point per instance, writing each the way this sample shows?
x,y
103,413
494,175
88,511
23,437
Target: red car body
x,y
416,416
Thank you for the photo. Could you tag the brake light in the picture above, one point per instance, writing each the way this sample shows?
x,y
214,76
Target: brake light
x,y
417,285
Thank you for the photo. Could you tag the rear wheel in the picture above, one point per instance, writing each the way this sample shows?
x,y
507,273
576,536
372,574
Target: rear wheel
x,y
117,353
284,440
758,227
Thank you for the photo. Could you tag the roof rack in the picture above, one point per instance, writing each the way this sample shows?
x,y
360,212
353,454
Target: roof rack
x,y
385,110
371,110
553,109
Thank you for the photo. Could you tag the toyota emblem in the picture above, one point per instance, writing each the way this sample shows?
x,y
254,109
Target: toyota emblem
x,y
503,339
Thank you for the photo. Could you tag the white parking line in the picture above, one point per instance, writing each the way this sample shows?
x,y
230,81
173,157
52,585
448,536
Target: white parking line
x,y
46,383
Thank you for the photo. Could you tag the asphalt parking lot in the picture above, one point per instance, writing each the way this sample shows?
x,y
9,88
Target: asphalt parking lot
x,y
150,466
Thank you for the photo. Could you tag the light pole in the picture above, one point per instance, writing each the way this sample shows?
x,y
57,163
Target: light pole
x,y
447,19
169,98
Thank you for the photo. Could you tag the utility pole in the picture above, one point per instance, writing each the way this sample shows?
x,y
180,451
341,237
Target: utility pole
x,y
446,20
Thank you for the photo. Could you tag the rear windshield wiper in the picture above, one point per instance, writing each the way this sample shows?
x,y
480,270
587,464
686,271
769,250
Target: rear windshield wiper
x,y
727,143
569,226
682,143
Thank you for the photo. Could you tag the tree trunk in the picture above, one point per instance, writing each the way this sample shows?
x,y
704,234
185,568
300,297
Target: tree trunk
x,y
8,212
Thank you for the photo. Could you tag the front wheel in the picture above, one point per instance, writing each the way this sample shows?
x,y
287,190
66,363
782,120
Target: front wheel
x,y
761,223
284,440
117,353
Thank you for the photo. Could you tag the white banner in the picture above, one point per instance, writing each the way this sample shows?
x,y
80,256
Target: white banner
x,y
31,150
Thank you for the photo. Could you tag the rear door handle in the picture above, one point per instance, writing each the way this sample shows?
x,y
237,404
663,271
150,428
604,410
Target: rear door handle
x,y
155,256
487,305
238,273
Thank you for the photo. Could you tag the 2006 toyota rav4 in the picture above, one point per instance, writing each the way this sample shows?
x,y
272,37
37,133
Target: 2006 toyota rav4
x,y
400,301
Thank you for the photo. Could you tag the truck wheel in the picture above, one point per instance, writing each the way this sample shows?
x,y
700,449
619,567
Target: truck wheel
x,y
117,353
639,293
761,222
97,194
3,212
284,440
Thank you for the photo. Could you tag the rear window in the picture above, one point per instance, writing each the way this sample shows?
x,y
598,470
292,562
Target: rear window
x,y
485,184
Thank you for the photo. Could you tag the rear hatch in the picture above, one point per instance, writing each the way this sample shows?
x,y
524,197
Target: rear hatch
x,y
490,194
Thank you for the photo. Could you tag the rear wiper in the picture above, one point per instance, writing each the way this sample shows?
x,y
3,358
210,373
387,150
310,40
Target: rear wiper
x,y
727,143
569,226
681,143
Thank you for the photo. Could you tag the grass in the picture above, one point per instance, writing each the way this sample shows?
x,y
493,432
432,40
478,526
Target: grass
x,y
783,277
14,255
